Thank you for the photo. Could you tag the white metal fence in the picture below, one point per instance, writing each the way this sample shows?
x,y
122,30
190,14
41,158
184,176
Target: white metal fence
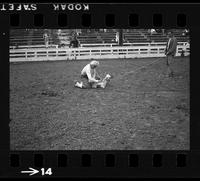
x,y
92,53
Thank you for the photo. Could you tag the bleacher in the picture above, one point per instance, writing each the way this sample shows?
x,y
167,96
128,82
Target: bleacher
x,y
162,37
134,36
108,36
25,37
34,37
90,38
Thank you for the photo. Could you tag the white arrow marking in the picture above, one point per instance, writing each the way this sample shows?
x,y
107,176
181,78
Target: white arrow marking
x,y
32,171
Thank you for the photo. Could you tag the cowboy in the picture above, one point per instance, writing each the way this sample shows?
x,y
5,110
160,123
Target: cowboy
x,y
170,52
90,77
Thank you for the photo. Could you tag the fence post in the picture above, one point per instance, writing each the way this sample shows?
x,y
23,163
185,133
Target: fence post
x,y
35,53
56,52
26,54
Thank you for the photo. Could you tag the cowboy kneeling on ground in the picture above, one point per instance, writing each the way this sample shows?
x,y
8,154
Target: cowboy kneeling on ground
x,y
90,78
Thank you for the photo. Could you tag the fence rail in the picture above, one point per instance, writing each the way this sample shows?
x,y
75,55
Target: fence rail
x,y
92,53
95,45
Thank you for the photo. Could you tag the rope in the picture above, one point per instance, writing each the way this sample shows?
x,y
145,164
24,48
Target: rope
x,y
134,71
154,62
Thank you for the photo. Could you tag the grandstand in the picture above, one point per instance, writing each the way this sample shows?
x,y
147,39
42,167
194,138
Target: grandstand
x,y
135,36
160,37
33,38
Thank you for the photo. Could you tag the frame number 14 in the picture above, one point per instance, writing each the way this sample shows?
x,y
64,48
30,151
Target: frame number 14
x,y
46,172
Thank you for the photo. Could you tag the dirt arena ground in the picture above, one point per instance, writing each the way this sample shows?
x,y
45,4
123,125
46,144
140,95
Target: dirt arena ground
x,y
140,111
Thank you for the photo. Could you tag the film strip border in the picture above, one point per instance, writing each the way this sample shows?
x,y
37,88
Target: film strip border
x,y
100,15
127,16
109,20
105,160
108,163
86,20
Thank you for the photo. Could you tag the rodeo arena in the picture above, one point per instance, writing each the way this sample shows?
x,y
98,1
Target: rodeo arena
x,y
99,89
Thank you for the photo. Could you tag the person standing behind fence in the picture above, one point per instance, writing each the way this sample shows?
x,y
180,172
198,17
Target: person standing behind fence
x,y
74,43
46,40
170,52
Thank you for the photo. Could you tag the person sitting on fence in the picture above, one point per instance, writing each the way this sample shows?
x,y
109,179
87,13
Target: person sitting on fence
x,y
90,78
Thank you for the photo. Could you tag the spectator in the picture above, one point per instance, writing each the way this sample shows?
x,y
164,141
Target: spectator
x,y
59,32
78,32
46,40
74,43
117,37
153,31
185,32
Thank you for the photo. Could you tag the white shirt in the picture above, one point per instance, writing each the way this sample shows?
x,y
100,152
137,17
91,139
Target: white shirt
x,y
91,73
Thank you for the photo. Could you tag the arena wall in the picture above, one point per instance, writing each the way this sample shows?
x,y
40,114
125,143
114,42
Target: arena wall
x,y
53,54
